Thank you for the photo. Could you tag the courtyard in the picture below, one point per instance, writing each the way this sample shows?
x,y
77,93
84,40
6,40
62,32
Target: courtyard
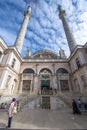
x,y
43,119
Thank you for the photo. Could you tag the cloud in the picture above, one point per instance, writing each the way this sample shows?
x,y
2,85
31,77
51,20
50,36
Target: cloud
x,y
45,29
6,34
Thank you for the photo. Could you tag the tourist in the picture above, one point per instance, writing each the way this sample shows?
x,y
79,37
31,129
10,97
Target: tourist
x,y
75,107
5,106
2,106
79,103
11,112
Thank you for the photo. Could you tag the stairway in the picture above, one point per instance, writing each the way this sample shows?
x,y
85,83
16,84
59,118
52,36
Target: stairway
x,y
46,102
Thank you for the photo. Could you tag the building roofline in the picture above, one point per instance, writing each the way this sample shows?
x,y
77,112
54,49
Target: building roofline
x,y
3,43
15,51
39,51
75,50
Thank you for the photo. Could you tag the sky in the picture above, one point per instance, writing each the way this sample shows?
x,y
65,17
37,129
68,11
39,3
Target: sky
x,y
45,29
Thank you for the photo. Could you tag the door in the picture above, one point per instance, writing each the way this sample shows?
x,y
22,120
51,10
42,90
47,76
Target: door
x,y
45,102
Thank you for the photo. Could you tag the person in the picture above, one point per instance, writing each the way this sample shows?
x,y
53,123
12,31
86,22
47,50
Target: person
x,y
10,112
75,107
79,102
5,106
2,106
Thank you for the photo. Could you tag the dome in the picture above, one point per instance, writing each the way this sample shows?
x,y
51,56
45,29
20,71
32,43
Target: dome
x,y
45,54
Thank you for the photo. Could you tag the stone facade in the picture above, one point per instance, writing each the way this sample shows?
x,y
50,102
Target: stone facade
x,y
25,75
44,72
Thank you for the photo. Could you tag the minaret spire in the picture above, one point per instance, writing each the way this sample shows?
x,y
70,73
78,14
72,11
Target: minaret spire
x,y
21,34
69,35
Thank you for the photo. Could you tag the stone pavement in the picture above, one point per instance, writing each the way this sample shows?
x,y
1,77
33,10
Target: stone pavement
x,y
41,119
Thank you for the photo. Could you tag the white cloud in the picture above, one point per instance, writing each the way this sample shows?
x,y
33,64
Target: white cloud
x,y
45,30
9,37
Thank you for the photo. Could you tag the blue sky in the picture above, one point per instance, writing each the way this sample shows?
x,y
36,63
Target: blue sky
x,y
45,30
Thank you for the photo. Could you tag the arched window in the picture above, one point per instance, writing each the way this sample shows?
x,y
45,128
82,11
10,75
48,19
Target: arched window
x,y
78,62
13,63
28,70
61,71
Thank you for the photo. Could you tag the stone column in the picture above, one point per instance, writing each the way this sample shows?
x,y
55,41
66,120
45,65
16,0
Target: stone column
x,y
70,89
68,33
36,83
21,35
51,81
39,84
59,85
55,89
80,83
3,79
54,82
31,86
21,85
11,85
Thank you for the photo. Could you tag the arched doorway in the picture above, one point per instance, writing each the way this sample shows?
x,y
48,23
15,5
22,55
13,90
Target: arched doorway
x,y
63,79
45,75
27,77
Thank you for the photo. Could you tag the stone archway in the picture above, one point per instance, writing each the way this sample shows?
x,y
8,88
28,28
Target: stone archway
x,y
63,79
27,78
45,75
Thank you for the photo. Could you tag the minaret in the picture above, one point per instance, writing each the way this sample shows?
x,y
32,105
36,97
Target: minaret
x,y
62,54
21,34
69,35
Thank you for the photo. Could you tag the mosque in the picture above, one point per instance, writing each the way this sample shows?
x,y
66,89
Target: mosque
x,y
44,73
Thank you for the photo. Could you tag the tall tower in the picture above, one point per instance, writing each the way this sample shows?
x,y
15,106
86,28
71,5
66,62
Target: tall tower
x,y
68,33
21,34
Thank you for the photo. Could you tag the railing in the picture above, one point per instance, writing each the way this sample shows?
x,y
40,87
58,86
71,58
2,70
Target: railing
x,y
66,97
48,92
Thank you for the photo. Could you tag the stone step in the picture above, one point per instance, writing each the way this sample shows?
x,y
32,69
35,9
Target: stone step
x,y
46,102
8,98
38,129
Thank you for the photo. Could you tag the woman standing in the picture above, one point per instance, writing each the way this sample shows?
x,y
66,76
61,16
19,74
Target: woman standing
x,y
11,112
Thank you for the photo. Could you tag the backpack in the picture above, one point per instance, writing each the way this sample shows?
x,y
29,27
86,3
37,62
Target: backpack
x,y
15,110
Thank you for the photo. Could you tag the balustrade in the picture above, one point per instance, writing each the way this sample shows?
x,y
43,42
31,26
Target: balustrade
x,y
48,91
